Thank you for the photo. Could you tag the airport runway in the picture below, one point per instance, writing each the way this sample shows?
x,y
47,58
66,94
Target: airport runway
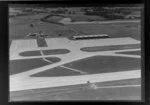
x,y
23,81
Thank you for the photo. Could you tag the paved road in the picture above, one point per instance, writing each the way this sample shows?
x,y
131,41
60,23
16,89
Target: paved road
x,y
23,81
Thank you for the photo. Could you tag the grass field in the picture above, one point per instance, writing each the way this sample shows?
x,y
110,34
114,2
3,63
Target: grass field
x,y
53,59
54,72
74,17
18,66
79,17
41,42
108,48
93,65
19,27
82,92
30,53
56,51
105,64
113,30
45,52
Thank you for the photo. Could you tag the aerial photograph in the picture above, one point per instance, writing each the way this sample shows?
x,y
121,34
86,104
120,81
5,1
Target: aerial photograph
x,y
75,53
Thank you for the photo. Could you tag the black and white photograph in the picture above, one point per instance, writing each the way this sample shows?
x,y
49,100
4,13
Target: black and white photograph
x,y
75,52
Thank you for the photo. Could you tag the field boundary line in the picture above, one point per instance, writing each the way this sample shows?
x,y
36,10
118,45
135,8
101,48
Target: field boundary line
x,y
125,55
119,86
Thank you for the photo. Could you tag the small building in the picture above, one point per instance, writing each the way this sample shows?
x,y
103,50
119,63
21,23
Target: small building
x,y
65,20
90,36
132,16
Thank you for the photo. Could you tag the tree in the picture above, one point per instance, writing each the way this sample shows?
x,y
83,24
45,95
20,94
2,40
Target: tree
x,y
73,12
59,34
69,12
31,25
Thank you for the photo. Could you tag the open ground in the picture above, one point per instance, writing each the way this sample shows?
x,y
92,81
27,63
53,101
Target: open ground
x,y
58,68
63,73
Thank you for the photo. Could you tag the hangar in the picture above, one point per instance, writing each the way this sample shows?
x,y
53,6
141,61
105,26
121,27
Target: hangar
x,y
90,36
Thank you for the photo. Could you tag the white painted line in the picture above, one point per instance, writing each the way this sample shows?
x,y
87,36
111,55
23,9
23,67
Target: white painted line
x,y
73,69
41,52
126,55
127,50
47,60
120,86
